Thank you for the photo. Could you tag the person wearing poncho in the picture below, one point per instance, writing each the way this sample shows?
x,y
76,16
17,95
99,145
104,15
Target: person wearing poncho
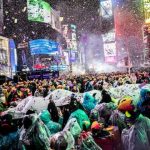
x,y
137,135
82,118
89,102
54,127
34,134
144,103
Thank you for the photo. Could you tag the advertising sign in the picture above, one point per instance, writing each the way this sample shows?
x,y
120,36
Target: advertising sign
x,y
70,34
73,56
110,59
39,11
55,22
43,46
147,11
13,55
73,37
106,8
110,49
1,16
4,57
109,37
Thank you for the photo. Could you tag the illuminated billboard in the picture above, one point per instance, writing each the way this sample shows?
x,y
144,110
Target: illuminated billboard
x,y
13,55
39,11
43,46
110,52
147,11
5,68
106,8
109,37
70,34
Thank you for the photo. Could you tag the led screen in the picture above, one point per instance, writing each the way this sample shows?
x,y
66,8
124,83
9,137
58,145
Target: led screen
x,y
13,55
39,11
106,8
43,46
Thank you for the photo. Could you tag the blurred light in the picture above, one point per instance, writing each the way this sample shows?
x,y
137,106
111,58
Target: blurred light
x,y
24,9
61,19
16,20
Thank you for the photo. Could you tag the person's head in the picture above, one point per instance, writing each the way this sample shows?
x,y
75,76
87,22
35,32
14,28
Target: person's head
x,y
96,128
27,122
61,143
106,97
127,106
53,110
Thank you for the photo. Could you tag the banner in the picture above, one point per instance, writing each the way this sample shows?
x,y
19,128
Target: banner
x,y
1,16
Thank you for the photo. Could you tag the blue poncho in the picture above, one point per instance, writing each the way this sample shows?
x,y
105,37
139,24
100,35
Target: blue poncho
x,y
89,102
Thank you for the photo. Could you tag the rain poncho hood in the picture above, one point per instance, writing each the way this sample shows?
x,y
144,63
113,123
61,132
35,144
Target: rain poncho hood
x,y
89,102
54,127
37,133
126,104
45,116
143,98
81,117
73,127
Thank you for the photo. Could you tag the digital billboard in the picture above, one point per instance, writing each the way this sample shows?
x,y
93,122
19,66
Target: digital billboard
x,y
43,46
13,55
39,11
110,52
70,34
106,8
4,57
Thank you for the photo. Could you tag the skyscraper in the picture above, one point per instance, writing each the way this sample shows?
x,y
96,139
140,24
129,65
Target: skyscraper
x,y
128,26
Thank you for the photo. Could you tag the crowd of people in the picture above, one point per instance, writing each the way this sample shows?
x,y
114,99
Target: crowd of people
x,y
92,124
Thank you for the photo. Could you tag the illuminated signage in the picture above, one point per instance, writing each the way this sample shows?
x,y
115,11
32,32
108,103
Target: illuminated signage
x,y
106,8
43,46
38,10
110,49
147,11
